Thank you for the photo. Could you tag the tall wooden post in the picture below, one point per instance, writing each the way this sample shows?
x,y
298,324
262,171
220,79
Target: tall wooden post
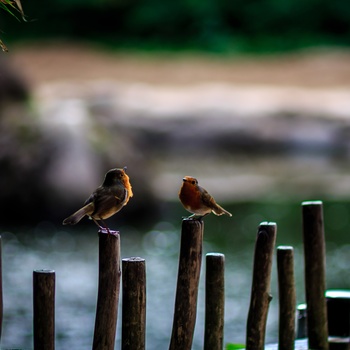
x,y
214,301
190,261
134,304
108,291
44,309
287,297
260,295
315,274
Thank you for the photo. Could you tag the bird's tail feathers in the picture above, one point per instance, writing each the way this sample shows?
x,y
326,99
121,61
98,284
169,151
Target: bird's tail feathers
x,y
79,214
220,211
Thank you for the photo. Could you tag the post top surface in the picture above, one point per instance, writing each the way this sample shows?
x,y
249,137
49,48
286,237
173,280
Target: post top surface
x,y
216,255
44,271
338,293
317,202
268,223
285,247
134,258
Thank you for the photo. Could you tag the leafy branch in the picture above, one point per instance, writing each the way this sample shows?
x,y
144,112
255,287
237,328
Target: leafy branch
x,y
13,7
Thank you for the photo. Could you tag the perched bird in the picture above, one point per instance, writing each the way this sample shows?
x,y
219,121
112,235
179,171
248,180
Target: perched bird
x,y
107,199
197,200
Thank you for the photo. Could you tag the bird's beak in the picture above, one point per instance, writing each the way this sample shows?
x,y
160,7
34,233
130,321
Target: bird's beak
x,y
184,180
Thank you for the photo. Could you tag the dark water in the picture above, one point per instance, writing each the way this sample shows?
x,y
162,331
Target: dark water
x,y
73,254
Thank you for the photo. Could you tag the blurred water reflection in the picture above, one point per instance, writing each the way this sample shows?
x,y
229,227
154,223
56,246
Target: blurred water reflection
x,y
73,254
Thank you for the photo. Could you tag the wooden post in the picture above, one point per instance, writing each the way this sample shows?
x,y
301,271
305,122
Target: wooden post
x,y
315,274
44,309
108,292
287,297
1,295
190,260
134,304
260,297
214,301
301,321
338,309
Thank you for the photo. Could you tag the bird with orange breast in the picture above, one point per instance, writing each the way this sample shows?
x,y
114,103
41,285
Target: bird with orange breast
x,y
197,200
106,200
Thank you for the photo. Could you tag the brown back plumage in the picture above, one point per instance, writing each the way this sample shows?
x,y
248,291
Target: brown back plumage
x,y
197,200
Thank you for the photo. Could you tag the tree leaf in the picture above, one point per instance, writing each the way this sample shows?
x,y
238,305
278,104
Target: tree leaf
x,y
3,46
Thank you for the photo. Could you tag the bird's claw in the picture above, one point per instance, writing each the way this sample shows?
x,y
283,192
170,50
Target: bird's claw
x,y
107,231
193,217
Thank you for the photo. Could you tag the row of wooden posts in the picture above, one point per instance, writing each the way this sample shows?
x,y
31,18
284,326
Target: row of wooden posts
x,y
133,271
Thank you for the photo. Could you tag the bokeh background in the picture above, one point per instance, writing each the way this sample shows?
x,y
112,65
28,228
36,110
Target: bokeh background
x,y
252,98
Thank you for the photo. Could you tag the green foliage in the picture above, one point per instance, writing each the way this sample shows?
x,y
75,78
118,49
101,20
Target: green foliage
x,y
10,7
6,6
215,25
234,346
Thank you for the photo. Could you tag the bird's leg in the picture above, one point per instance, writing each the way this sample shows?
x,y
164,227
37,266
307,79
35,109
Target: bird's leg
x,y
95,221
199,217
109,232
194,217
101,228
188,217
105,227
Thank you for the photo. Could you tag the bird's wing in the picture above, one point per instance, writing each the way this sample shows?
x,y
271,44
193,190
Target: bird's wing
x,y
207,199
109,197
91,198
120,193
210,202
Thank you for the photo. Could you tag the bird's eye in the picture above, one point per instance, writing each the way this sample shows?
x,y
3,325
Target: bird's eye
x,y
193,182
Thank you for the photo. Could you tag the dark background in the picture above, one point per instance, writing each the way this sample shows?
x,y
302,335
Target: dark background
x,y
216,26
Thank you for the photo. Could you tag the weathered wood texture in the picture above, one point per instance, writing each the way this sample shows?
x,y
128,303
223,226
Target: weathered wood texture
x,y
108,292
287,297
260,297
315,274
44,309
134,304
214,302
190,261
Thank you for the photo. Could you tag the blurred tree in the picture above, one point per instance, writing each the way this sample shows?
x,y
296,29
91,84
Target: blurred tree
x,y
211,25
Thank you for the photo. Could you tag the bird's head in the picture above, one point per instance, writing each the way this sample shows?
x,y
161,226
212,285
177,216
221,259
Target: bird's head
x,y
189,180
117,176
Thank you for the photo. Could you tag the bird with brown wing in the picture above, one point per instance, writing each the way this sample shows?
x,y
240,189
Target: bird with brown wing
x,y
106,200
197,200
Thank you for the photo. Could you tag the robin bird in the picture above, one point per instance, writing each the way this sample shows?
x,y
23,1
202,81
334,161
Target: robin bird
x,y
107,199
197,200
